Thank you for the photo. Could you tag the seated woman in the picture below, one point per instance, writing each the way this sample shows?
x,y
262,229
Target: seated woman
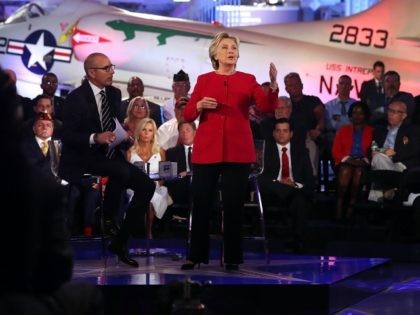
x,y
146,150
351,154
137,109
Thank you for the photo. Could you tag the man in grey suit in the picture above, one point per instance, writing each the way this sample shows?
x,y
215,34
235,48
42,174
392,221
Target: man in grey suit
x,y
89,118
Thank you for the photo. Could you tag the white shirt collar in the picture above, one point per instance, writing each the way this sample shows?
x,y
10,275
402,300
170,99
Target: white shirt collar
x,y
39,140
279,146
95,89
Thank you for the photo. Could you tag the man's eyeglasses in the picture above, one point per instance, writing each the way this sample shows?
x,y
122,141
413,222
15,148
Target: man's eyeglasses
x,y
105,68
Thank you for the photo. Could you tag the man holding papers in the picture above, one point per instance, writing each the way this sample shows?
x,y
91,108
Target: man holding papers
x,y
89,136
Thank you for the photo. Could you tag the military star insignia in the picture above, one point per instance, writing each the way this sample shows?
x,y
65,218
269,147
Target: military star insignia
x,y
38,52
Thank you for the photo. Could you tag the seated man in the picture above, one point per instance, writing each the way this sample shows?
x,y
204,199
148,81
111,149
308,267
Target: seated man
x,y
36,145
36,148
395,148
287,177
89,122
181,154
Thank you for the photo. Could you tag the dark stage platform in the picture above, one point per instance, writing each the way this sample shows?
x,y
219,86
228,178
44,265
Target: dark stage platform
x,y
288,284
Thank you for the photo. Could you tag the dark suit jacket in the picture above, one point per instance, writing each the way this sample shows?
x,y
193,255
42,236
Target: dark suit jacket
x,y
416,113
34,156
58,103
178,188
80,120
300,164
26,105
407,144
177,154
155,112
368,89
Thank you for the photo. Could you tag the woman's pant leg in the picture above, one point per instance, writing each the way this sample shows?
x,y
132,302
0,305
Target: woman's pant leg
x,y
204,185
234,187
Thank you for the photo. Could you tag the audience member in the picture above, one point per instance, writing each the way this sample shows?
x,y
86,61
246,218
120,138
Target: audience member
x,y
288,181
37,271
36,146
135,88
392,93
49,86
374,88
308,115
223,147
180,86
88,123
42,104
351,154
282,110
147,151
137,109
336,110
179,188
396,148
167,134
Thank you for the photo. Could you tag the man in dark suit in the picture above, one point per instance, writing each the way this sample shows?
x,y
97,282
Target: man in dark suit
x,y
179,189
135,87
89,119
397,150
373,88
49,86
36,148
287,177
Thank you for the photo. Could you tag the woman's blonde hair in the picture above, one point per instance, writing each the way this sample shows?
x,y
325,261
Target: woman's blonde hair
x,y
131,105
139,127
213,47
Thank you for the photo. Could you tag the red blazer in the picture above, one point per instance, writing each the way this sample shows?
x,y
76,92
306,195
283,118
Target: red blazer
x,y
224,134
344,140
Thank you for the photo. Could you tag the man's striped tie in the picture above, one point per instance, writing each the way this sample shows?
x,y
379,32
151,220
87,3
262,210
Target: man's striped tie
x,y
108,123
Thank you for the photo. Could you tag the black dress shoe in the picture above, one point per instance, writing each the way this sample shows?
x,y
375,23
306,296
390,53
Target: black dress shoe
x,y
231,267
189,265
111,228
121,251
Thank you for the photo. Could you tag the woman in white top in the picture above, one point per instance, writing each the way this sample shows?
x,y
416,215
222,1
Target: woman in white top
x,y
146,150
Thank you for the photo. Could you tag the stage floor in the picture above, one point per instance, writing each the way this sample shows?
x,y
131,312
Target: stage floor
x,y
287,284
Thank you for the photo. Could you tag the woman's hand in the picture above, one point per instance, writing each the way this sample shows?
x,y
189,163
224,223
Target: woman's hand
x,y
273,77
273,73
206,103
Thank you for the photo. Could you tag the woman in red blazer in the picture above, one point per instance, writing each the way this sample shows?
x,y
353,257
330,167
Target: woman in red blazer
x,y
351,154
223,146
